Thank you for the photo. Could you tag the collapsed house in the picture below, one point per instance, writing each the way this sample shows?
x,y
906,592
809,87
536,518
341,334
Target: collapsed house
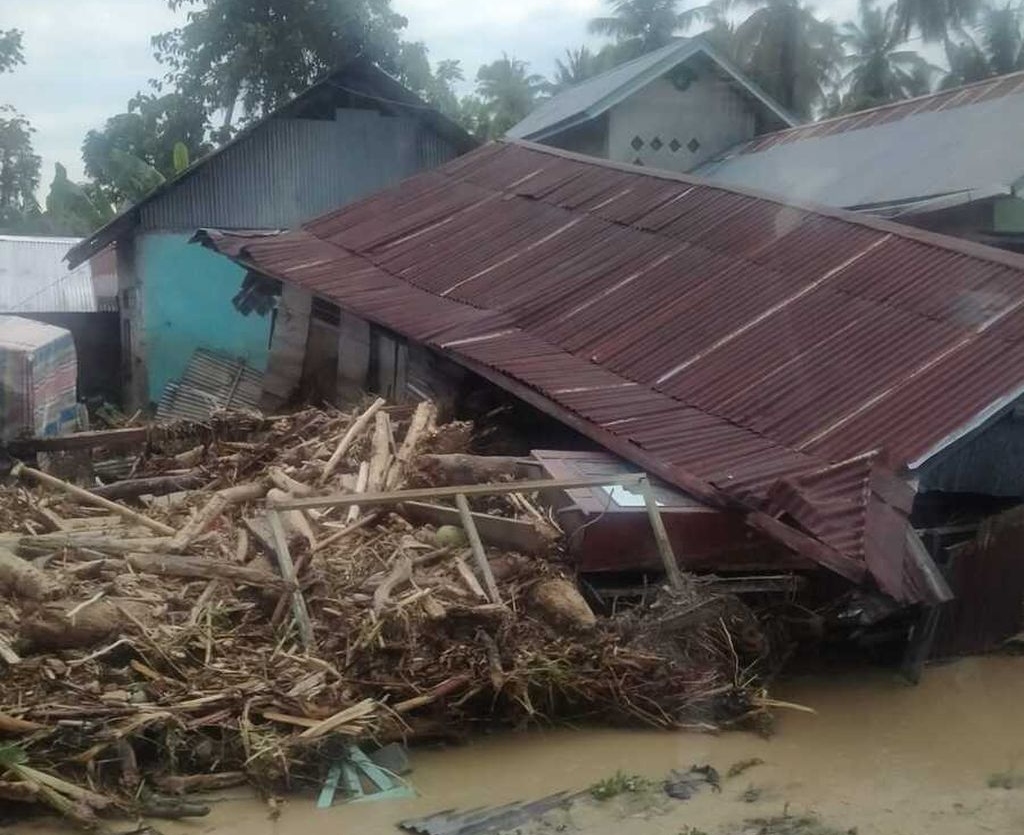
x,y
811,373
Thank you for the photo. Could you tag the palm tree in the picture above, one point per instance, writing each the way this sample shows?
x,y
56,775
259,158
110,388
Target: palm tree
x,y
581,64
1001,38
878,71
788,51
967,63
639,26
935,18
508,90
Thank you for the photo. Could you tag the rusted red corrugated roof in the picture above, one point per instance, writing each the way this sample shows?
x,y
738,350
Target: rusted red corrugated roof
x,y
981,91
776,357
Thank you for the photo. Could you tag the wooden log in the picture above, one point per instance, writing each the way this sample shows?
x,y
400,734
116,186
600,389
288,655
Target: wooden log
x,y
668,558
380,456
451,491
200,568
358,425
161,485
22,579
48,627
342,717
282,481
7,653
208,514
284,561
19,792
424,420
479,555
92,498
460,468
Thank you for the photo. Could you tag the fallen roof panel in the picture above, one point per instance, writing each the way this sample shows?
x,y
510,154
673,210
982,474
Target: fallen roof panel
x,y
773,357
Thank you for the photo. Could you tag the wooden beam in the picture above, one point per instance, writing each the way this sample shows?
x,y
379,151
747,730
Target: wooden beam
x,y
668,557
450,492
508,534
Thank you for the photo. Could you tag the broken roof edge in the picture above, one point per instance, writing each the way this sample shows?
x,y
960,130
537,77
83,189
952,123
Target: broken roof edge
x,y
879,224
684,50
394,93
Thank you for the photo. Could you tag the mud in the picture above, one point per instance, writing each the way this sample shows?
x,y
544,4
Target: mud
x,y
879,757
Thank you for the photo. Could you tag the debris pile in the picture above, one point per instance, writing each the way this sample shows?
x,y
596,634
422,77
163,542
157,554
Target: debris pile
x,y
188,628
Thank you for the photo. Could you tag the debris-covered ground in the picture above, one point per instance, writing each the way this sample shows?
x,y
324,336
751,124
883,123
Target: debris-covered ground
x,y
159,646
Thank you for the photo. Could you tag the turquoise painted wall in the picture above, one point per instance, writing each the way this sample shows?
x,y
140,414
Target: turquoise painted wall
x,y
186,304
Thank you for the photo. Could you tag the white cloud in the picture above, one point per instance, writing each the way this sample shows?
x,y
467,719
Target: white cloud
x,y
85,59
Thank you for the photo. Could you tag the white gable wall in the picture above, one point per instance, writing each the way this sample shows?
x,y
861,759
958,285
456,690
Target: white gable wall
x,y
709,110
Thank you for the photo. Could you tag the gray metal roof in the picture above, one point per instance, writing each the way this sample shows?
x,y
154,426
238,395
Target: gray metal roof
x,y
596,95
211,382
35,279
360,84
929,153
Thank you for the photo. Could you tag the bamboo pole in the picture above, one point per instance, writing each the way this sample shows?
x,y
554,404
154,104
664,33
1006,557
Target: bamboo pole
x,y
668,558
478,548
284,560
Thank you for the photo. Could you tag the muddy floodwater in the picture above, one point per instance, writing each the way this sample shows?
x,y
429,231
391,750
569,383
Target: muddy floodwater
x,y
878,757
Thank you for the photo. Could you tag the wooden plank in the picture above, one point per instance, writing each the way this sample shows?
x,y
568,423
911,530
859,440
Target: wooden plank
x,y
509,534
668,557
450,492
478,548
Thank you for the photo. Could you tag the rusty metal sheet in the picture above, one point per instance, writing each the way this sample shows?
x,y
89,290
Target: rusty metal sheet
x,y
741,348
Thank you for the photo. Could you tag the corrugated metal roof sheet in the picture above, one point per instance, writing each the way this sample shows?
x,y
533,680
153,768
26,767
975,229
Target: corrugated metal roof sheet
x,y
300,184
961,143
751,352
211,382
35,279
594,96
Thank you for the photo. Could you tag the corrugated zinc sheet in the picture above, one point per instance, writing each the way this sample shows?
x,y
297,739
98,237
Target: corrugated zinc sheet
x,y
750,352
35,279
295,169
961,142
211,382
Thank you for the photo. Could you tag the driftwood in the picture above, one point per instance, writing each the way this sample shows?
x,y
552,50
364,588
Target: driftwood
x,y
400,574
562,605
479,555
284,561
460,468
183,784
380,455
424,420
92,498
132,488
203,568
362,479
11,725
207,515
295,521
49,627
358,425
23,579
532,537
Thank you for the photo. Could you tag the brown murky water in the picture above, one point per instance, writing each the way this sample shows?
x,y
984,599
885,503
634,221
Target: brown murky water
x,y
878,756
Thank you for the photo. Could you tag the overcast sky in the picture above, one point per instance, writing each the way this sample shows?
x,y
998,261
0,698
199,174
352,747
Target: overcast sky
x,y
86,58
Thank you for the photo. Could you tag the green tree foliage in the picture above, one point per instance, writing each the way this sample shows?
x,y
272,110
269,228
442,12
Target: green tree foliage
x,y
508,91
638,26
583,63
789,52
136,149
254,55
73,209
935,19
996,49
878,69
10,50
19,165
436,86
